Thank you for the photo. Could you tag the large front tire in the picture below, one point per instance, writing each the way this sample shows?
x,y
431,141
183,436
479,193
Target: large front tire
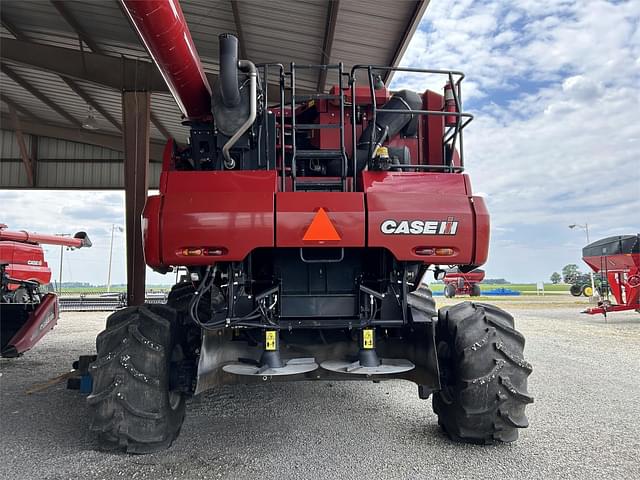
x,y
133,408
483,374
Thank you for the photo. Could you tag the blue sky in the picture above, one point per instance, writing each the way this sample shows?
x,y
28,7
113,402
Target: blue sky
x,y
555,89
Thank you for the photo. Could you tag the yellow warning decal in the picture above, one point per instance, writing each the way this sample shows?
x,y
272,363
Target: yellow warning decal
x,y
270,340
367,338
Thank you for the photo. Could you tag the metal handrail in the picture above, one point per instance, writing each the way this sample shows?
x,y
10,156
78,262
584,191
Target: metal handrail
x,y
452,136
265,107
344,159
462,119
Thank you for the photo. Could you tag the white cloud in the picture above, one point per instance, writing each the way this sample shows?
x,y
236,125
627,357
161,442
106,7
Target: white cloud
x,y
555,88
52,212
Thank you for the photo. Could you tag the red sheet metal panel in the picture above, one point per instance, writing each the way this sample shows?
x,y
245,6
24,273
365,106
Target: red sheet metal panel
x,y
413,212
295,212
41,320
224,214
416,182
151,231
483,231
26,262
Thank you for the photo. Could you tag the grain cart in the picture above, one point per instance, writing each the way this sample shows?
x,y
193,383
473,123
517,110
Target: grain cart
x,y
457,282
306,222
27,309
616,259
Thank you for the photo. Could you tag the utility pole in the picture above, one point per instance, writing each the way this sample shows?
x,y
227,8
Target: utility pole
x,y
60,271
113,228
61,257
585,227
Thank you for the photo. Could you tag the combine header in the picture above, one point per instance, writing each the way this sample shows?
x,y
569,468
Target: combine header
x,y
618,260
306,222
27,310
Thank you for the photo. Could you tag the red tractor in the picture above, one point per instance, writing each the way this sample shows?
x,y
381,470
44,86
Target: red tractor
x,y
27,309
457,282
306,223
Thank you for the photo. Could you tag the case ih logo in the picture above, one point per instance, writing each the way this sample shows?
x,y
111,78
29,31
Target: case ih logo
x,y
419,227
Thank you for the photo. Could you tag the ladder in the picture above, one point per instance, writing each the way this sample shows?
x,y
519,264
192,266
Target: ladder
x,y
317,183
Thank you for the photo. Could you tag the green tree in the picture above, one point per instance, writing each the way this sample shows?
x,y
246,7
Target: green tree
x,y
570,273
555,278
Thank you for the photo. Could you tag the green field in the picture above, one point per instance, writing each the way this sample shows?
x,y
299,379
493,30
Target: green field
x,y
115,289
524,288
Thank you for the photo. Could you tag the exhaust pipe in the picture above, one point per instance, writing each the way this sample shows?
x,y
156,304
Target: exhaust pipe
x,y
229,70
229,101
246,66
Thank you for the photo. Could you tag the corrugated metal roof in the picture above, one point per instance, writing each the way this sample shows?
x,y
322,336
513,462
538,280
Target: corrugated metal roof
x,y
281,31
65,165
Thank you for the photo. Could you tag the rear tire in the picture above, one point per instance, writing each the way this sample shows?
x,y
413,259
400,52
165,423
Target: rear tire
x,y
450,290
132,406
475,290
483,374
575,290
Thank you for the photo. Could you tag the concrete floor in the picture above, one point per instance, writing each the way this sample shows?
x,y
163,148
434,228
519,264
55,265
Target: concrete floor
x,y
585,422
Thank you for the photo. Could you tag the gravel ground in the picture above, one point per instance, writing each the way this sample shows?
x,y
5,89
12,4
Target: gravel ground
x,y
584,422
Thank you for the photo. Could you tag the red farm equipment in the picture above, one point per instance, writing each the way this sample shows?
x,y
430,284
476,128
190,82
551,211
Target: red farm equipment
x,y
27,309
616,259
457,282
305,223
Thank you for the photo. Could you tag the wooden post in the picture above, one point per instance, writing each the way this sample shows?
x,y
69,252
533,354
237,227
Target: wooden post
x,y
136,107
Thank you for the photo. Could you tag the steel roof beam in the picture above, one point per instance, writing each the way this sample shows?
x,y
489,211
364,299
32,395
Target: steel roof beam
x,y
159,126
70,83
91,102
75,25
13,75
412,26
19,108
22,146
70,134
118,73
327,44
12,29
95,48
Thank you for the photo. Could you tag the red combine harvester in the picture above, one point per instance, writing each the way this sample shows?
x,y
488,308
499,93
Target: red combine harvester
x,y
457,282
618,260
27,310
306,223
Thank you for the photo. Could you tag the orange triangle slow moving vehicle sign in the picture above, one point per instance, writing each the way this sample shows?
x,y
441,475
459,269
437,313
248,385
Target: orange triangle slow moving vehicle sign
x,y
321,228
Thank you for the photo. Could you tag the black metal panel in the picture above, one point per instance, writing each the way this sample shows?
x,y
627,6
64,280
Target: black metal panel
x,y
620,244
334,306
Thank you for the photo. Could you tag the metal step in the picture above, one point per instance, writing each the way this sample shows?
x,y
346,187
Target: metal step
x,y
316,126
320,185
316,96
319,154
